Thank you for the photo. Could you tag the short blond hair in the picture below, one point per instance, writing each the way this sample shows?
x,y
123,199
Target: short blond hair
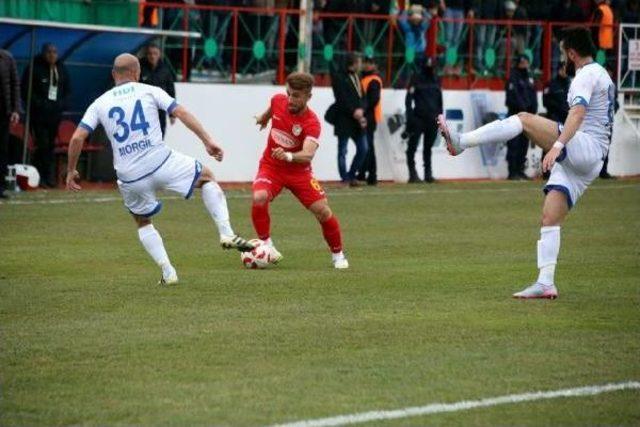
x,y
300,81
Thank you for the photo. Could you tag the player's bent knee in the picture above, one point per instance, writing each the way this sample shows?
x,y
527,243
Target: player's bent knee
x,y
206,175
141,221
322,212
260,197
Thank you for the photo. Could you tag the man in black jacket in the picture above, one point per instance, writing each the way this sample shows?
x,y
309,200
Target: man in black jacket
x,y
9,108
350,121
49,94
521,97
155,72
372,88
423,104
554,97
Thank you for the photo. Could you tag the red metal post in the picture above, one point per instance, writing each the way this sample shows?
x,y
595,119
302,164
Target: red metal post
x,y
185,42
234,54
392,27
546,52
349,34
281,43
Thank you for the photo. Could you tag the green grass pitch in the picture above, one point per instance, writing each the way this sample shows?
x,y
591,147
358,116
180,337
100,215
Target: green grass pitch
x,y
424,314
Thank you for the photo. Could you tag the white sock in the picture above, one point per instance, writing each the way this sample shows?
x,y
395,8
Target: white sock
x,y
496,131
152,242
337,256
216,203
269,242
548,249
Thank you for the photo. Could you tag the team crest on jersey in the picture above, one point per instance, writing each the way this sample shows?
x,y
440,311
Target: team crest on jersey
x,y
283,139
296,129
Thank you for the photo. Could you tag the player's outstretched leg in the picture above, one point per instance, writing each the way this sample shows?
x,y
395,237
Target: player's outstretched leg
x,y
554,211
152,242
543,132
262,221
216,204
330,231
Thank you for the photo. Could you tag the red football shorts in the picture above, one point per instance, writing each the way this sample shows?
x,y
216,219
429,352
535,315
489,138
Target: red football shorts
x,y
301,183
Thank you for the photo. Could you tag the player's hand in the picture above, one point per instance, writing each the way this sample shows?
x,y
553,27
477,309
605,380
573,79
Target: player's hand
x,y
214,151
358,113
72,181
262,120
550,159
363,122
279,153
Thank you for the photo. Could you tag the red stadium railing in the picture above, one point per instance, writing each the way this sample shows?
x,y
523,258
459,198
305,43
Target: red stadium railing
x,y
261,44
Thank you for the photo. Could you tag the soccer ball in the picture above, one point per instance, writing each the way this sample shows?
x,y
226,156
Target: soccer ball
x,y
259,257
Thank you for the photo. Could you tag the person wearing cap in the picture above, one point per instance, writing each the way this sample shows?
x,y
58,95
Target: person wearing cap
x,y
414,24
604,20
49,94
514,11
372,89
521,97
423,104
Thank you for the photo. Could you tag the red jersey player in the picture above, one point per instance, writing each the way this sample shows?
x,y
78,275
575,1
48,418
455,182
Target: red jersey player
x,y
286,163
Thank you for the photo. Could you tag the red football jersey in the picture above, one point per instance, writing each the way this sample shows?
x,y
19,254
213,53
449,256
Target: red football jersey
x,y
289,132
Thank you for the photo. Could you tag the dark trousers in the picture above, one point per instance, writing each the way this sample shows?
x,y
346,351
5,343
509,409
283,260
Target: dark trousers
x,y
358,160
369,170
4,150
517,154
44,158
428,133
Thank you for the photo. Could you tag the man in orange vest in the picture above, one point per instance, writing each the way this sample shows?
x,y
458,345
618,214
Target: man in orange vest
x,y
603,16
372,88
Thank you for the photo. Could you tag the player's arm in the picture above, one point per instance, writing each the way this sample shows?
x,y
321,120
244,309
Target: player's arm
x,y
75,148
263,119
309,148
194,125
571,126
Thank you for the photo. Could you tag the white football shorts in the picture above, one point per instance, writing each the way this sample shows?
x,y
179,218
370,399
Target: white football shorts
x,y
178,173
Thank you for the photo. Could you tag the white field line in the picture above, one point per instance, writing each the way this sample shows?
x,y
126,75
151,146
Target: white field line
x,y
437,408
338,193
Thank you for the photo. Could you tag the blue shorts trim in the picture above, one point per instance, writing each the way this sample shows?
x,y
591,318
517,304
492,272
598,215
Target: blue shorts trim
x,y
155,210
172,107
561,188
86,127
150,173
196,175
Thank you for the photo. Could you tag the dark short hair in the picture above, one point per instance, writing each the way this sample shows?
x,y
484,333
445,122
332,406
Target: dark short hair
x,y
578,39
369,60
352,58
152,45
300,81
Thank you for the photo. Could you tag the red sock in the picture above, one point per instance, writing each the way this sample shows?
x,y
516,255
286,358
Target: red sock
x,y
261,220
332,234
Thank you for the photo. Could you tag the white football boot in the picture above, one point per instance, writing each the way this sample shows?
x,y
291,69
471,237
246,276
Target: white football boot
x,y
340,261
451,138
169,276
236,242
538,290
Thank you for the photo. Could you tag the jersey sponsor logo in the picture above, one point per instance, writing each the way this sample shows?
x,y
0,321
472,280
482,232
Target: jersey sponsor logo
x,y
283,139
296,129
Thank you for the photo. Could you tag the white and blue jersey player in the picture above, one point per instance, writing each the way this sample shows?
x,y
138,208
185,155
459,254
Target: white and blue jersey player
x,y
144,164
576,149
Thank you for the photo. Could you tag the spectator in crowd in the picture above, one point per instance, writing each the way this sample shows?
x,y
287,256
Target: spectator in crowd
x,y
485,34
50,91
423,103
349,120
514,11
521,97
566,11
586,6
372,88
554,96
414,24
9,110
454,9
604,29
155,72
631,12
